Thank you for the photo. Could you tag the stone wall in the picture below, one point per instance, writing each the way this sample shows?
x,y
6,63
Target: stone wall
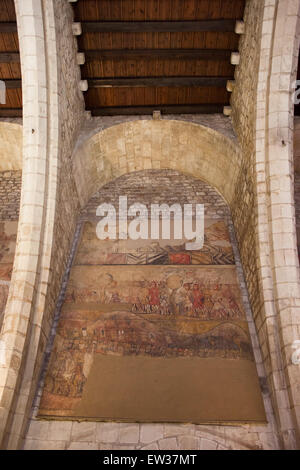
x,y
156,144
10,144
158,187
243,103
10,194
94,125
70,115
62,435
155,186
262,117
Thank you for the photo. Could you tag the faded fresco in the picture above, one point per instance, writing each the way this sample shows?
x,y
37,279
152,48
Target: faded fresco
x,y
8,235
163,303
217,249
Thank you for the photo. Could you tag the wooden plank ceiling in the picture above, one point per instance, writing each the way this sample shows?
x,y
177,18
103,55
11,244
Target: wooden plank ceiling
x,y
141,55
10,68
168,55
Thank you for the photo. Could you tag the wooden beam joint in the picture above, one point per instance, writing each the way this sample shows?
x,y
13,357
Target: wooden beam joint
x,y
158,26
8,27
182,54
219,82
164,109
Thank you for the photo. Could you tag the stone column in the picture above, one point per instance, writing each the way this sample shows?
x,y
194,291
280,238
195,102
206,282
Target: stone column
x,y
52,112
276,230
18,315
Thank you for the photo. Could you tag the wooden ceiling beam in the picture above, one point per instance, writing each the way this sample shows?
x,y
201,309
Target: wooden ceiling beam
x,y
11,112
164,109
8,27
158,82
158,26
12,83
196,54
9,57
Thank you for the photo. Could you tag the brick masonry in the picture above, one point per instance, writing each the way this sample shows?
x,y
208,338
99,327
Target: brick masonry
x,y
157,187
10,194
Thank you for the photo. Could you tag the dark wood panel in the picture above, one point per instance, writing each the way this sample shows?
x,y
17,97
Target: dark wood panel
x,y
7,11
8,27
142,110
12,84
157,26
156,67
154,96
157,10
150,82
9,42
180,54
7,57
10,112
197,40
13,98
10,71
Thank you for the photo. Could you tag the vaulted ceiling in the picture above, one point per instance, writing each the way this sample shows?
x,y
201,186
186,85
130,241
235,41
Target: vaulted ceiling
x,y
142,55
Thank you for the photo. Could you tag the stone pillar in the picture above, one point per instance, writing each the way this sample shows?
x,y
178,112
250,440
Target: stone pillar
x,y
52,111
278,158
263,118
14,333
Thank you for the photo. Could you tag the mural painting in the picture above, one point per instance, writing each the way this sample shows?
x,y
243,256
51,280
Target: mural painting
x,y
217,249
164,309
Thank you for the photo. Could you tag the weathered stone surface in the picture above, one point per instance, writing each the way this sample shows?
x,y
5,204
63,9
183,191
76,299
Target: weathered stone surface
x,y
107,432
188,442
36,444
82,446
129,434
206,444
85,431
151,432
59,430
169,443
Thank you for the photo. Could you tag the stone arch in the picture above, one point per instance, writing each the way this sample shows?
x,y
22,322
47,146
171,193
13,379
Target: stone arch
x,y
165,144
